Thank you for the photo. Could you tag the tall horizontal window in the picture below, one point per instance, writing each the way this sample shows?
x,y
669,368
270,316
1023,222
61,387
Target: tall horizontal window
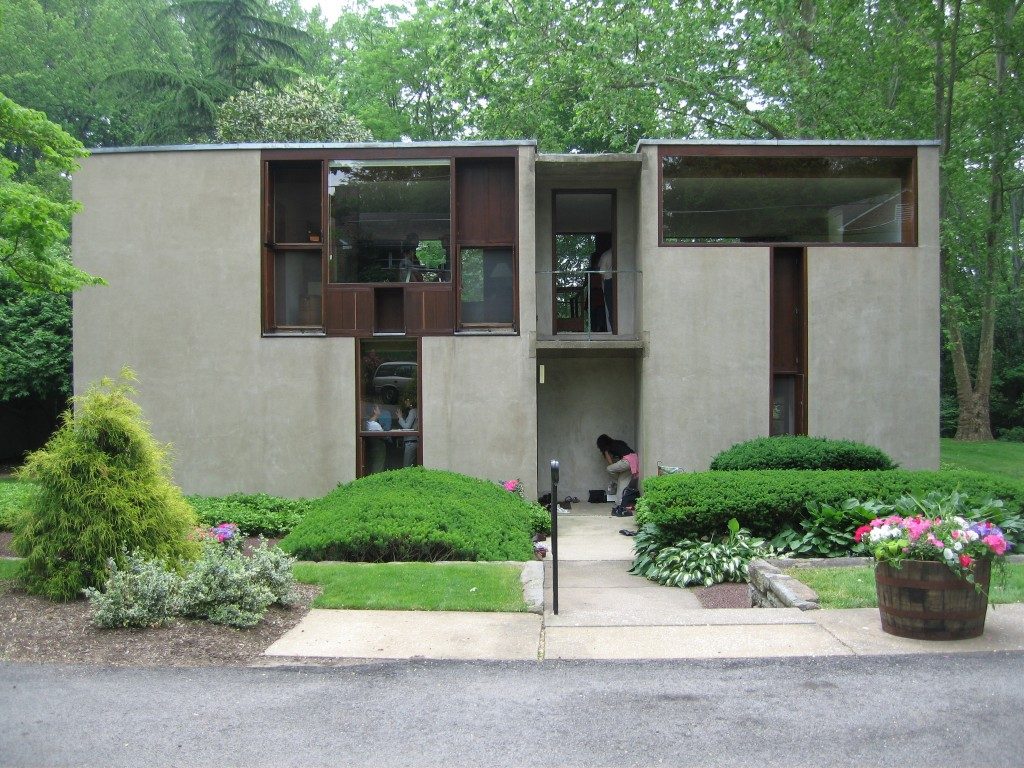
x,y
390,221
763,199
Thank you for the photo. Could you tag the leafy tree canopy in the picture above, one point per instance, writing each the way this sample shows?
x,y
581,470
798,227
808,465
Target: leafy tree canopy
x,y
34,220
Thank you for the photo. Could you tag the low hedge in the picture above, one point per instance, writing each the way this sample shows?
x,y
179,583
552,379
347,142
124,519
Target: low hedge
x,y
415,514
253,513
801,452
765,502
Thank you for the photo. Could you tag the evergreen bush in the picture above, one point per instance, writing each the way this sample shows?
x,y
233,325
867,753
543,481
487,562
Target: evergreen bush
x,y
801,452
102,487
695,504
255,514
415,514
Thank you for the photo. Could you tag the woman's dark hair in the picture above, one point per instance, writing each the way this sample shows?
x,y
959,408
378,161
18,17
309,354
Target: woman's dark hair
x,y
603,441
619,448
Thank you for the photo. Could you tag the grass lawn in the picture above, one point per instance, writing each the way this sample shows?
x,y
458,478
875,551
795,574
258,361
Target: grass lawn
x,y
9,569
416,586
855,587
994,456
12,496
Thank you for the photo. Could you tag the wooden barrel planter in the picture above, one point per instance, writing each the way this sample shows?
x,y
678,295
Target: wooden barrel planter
x,y
927,601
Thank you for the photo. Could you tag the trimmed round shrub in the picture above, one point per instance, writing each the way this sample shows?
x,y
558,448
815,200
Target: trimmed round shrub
x,y
765,502
415,514
102,487
801,452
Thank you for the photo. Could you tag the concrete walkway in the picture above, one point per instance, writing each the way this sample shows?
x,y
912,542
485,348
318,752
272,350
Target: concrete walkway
x,y
605,613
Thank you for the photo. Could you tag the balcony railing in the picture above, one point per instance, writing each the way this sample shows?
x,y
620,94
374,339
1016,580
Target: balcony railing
x,y
571,304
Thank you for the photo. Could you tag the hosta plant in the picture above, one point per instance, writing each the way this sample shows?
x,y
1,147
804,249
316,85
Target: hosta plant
x,y
825,531
692,562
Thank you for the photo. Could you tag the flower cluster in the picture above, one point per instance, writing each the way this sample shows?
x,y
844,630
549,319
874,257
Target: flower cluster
x,y
950,539
224,532
514,486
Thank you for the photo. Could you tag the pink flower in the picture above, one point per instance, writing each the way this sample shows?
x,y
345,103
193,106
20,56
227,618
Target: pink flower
x,y
966,560
996,543
859,534
935,542
510,485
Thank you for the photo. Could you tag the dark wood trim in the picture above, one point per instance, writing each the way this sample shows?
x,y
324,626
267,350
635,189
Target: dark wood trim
x,y
360,432
800,371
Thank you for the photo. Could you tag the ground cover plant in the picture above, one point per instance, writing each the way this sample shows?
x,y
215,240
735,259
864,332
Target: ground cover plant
x,y
102,488
765,502
416,586
1001,458
854,587
673,562
415,514
801,452
9,569
255,514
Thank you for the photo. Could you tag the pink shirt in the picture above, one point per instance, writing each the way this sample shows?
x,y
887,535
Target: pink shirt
x,y
634,463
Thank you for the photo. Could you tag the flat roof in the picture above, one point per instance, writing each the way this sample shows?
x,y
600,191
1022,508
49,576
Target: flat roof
x,y
313,145
790,142
618,157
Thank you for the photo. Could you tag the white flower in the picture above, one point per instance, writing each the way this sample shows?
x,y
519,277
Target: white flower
x,y
957,546
948,554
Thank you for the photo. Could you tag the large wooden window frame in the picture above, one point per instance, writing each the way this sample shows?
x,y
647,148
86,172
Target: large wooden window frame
x,y
358,310
361,432
909,200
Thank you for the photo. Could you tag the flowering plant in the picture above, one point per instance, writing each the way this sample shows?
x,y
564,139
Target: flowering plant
x,y
937,528
514,486
224,532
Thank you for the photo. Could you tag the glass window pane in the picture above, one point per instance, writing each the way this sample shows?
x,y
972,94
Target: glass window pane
x,y
298,287
390,221
784,406
487,290
785,199
389,411
297,202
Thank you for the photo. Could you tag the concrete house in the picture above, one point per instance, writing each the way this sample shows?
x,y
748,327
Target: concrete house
x,y
302,315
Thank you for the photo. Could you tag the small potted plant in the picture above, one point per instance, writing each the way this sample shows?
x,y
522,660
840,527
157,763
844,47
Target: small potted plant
x,y
934,563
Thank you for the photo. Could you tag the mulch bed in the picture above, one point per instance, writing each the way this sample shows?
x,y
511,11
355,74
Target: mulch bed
x,y
723,596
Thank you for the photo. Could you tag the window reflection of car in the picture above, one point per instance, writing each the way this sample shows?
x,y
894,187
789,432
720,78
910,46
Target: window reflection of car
x,y
391,378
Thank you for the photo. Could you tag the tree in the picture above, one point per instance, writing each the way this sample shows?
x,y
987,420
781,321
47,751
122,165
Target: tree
x,y
310,110
35,354
34,220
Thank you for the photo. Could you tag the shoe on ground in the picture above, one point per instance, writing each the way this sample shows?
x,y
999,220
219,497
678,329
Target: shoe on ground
x,y
562,510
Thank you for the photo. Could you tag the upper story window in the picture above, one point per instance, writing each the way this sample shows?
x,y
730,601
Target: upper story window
x,y
786,195
390,221
378,242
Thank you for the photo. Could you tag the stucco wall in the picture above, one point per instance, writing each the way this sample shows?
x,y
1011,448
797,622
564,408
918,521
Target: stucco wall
x,y
176,235
704,375
873,339
480,407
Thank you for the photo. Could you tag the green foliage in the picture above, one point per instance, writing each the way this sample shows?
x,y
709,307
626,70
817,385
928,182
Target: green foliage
x,y
540,518
35,343
825,531
14,498
254,513
415,514
854,587
1012,435
416,586
141,593
767,501
10,569
672,562
225,587
34,221
1002,458
308,111
801,452
102,486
